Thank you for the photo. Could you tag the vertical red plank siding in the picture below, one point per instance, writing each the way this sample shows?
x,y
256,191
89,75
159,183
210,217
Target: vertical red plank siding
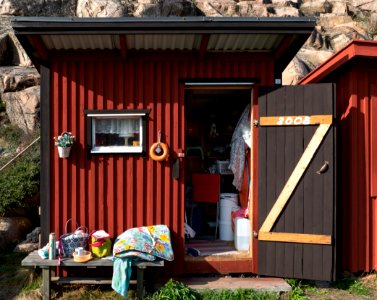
x,y
357,135
55,111
358,205
373,172
373,136
81,155
117,192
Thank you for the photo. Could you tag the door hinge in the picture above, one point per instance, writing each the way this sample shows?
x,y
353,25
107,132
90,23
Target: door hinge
x,y
255,123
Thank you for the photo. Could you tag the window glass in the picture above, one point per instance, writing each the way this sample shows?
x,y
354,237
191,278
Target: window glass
x,y
117,131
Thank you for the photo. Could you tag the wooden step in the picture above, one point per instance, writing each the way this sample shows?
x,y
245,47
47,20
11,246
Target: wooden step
x,y
233,283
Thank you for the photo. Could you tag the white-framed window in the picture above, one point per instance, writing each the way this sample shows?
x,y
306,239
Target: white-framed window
x,y
116,131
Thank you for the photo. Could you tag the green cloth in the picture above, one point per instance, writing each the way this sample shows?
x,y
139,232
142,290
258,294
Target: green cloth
x,y
121,275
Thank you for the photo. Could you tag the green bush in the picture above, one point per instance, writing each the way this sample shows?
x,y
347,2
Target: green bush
x,y
20,182
175,290
12,135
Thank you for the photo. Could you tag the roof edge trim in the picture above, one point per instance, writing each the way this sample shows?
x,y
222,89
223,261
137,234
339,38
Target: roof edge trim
x,y
355,48
45,25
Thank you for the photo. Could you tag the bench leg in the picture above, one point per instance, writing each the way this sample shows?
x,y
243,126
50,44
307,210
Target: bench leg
x,y
140,283
46,278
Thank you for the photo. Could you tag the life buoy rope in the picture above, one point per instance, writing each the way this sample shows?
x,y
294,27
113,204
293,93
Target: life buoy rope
x,y
159,151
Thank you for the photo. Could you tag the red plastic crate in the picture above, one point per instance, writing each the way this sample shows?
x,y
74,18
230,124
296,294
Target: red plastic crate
x,y
206,188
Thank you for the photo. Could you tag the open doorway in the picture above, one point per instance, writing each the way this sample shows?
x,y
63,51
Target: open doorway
x,y
216,202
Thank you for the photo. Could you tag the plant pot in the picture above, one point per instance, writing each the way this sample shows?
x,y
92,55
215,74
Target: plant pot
x,y
64,151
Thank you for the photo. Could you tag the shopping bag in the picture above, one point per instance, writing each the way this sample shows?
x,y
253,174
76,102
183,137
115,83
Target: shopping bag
x,y
70,241
100,243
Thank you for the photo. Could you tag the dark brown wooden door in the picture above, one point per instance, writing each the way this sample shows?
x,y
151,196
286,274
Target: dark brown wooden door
x,y
296,202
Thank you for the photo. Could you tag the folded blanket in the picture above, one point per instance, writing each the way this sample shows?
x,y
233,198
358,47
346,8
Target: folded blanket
x,y
140,243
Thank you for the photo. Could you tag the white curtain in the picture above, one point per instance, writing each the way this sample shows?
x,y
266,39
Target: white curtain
x,y
123,127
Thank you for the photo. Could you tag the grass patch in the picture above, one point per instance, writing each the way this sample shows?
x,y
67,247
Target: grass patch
x,y
311,290
89,293
10,260
354,286
174,290
32,285
244,294
12,276
349,286
345,288
297,292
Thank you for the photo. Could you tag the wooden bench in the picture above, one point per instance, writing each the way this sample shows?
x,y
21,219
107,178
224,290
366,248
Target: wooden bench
x,y
34,260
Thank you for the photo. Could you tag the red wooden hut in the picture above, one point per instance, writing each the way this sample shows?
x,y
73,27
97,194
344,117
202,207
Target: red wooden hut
x,y
190,79
353,69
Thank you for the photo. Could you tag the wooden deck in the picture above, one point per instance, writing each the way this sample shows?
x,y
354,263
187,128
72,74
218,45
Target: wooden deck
x,y
222,262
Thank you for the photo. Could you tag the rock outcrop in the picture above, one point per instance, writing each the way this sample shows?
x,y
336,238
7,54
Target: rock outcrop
x,y
12,230
22,108
17,78
38,7
338,23
31,243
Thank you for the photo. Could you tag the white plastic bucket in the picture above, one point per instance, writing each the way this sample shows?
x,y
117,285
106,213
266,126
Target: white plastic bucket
x,y
242,234
225,231
228,203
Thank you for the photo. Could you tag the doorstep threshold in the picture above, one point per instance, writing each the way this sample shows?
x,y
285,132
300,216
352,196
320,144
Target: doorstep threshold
x,y
265,284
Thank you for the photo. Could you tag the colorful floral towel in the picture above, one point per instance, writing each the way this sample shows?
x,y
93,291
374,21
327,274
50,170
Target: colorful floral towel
x,y
141,243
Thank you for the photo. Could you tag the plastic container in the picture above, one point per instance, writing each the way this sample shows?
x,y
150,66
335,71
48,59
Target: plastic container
x,y
222,167
84,257
242,234
225,231
228,203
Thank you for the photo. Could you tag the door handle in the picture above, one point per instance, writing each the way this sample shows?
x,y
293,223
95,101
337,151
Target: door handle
x,y
324,168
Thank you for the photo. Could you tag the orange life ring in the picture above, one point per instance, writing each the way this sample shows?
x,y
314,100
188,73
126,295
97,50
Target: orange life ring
x,y
159,157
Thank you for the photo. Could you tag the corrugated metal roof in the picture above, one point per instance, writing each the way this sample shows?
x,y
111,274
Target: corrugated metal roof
x,y
217,42
243,42
163,41
66,42
283,36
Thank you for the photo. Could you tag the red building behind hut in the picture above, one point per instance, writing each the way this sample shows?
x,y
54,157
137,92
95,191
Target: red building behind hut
x,y
353,69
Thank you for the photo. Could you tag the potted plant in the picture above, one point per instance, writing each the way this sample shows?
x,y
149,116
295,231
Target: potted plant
x,y
64,143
